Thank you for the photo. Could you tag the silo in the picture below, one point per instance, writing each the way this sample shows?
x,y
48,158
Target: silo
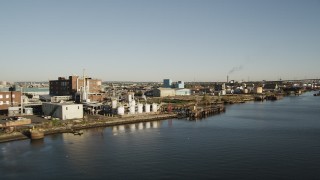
x,y
140,108
133,103
129,98
132,109
147,108
154,107
121,110
259,90
114,103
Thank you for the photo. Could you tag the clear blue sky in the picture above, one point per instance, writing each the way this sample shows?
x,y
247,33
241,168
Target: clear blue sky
x,y
149,40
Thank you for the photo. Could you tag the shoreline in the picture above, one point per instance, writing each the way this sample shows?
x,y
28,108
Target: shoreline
x,y
93,121
104,122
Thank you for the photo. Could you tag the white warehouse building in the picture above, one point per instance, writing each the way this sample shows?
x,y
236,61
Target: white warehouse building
x,y
183,92
164,92
63,111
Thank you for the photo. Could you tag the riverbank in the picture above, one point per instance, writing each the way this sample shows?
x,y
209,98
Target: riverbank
x,y
88,122
92,121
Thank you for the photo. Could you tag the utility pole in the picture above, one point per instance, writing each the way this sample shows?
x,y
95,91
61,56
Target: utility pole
x,y
21,101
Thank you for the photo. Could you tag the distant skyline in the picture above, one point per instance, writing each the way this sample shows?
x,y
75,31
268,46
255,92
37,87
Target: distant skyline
x,y
151,40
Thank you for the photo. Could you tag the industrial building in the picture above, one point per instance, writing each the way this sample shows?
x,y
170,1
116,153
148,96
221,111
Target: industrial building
x,y
82,89
9,99
180,85
164,92
183,92
63,111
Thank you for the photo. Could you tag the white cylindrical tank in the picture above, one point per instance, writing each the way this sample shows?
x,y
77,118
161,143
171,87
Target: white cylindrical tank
x,y
246,91
140,108
223,92
121,110
154,107
132,109
129,98
147,108
114,104
259,90
133,103
84,96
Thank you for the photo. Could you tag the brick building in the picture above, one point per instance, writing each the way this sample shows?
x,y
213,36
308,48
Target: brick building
x,y
9,99
75,86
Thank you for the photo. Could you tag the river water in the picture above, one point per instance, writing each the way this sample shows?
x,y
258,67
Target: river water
x,y
268,140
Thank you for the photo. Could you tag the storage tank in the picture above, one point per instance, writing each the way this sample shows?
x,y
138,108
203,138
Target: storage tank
x,y
140,108
147,108
154,107
114,103
121,110
223,92
259,90
133,103
246,91
132,109
129,98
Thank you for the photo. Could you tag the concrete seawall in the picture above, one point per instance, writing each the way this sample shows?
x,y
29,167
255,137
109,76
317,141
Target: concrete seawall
x,y
91,122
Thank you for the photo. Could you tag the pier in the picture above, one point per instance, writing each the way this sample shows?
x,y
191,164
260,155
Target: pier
x,y
201,112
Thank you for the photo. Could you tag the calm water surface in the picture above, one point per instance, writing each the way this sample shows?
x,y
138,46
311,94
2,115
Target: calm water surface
x,y
269,140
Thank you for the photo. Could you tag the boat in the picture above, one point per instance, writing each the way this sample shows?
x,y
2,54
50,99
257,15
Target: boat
x,y
317,94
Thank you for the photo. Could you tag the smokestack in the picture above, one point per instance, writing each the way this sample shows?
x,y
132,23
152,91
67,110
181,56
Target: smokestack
x,y
227,79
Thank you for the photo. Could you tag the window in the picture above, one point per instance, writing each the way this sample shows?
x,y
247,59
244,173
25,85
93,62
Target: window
x,y
7,102
66,108
1,102
7,95
78,107
1,96
13,96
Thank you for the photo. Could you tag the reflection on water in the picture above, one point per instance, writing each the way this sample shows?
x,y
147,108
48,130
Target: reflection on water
x,y
135,127
269,140
37,142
